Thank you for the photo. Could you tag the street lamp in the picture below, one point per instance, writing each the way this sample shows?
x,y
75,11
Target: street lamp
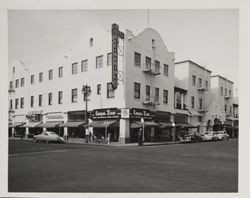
x,y
86,92
143,126
173,125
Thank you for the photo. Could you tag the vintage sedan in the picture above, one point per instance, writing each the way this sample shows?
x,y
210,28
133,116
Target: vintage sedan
x,y
48,136
208,136
221,135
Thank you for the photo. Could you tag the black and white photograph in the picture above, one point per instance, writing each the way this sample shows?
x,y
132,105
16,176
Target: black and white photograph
x,y
132,100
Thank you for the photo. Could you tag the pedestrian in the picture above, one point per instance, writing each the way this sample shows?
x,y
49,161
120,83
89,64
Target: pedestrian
x,y
87,135
140,138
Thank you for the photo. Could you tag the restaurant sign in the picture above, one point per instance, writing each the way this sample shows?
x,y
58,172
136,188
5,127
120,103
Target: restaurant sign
x,y
112,113
141,113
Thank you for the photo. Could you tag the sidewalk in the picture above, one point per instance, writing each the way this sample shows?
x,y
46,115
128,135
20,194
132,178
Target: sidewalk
x,y
115,144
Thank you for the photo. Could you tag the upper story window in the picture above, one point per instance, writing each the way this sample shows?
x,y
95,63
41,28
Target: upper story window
x,y
51,74
165,70
165,96
84,65
50,99
157,66
32,79
40,98
110,91
225,108
230,93
137,59
147,93
17,83
192,101
156,94
13,70
98,89
22,103
60,72
153,43
200,103
221,91
41,77
193,80
137,90
31,101
16,103
109,59
200,82
206,84
99,61
11,104
148,62
230,110
74,68
74,95
22,82
91,42
60,97
225,91
11,84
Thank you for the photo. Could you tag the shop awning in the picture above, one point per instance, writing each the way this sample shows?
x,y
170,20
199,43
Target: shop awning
x,y
31,124
185,125
165,124
104,123
16,124
50,124
146,124
72,124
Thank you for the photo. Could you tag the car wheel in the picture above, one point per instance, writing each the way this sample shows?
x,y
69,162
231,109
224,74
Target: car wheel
x,y
34,140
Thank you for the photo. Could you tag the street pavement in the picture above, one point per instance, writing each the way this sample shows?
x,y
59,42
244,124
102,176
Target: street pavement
x,y
197,167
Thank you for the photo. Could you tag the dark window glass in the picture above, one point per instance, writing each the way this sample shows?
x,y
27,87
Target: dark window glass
x,y
16,103
157,66
74,68
192,102
147,93
200,82
22,82
165,70
137,59
137,90
193,80
50,99
60,72
32,79
60,97
17,83
148,63
40,100
74,95
84,66
32,101
41,77
50,74
11,104
165,96
109,59
99,61
110,91
22,103
200,103
98,89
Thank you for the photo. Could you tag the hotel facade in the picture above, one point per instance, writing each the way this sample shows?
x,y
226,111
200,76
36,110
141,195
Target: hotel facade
x,y
153,92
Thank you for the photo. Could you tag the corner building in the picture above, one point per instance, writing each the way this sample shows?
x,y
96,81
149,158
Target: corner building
x,y
49,94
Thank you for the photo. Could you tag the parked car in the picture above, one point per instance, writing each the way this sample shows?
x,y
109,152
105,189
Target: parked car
x,y
221,135
185,138
48,136
208,136
196,138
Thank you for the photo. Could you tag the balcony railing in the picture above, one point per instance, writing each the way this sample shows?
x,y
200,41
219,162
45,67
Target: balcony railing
x,y
148,69
11,89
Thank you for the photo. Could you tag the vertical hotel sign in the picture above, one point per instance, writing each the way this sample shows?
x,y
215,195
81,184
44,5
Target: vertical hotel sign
x,y
116,34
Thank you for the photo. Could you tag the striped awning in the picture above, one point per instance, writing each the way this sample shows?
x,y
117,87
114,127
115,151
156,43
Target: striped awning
x,y
72,124
16,124
31,124
104,123
185,125
146,124
50,124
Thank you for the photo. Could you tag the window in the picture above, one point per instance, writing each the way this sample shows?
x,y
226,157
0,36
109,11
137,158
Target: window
x,y
99,61
221,91
22,103
200,82
98,89
200,118
147,93
60,72
178,101
40,103
50,99
11,84
60,97
206,84
137,90
13,70
148,63
16,103
74,68
110,91
41,77
74,95
11,104
192,101
91,40
230,110
193,80
225,108
165,96
156,95
109,59
200,103
157,66
230,93
137,59
22,82
84,66
225,91
50,74
32,79
165,68
32,101
17,83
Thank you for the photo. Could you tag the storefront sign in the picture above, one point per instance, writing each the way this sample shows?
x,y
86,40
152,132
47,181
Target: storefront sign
x,y
106,114
124,113
141,113
35,112
116,34
55,116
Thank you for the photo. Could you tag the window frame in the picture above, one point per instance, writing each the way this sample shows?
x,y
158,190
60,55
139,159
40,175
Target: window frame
x,y
137,55
165,69
137,92
60,97
17,83
147,92
192,102
74,95
50,98
32,79
41,77
22,103
109,59
97,63
50,74
40,100
98,89
110,91
84,69
16,103
60,72
165,96
193,80
74,68
148,60
22,82
31,101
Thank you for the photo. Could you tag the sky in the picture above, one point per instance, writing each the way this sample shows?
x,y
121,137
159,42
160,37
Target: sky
x,y
207,37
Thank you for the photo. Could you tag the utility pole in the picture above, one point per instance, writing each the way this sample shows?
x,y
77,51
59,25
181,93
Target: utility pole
x,y
86,91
